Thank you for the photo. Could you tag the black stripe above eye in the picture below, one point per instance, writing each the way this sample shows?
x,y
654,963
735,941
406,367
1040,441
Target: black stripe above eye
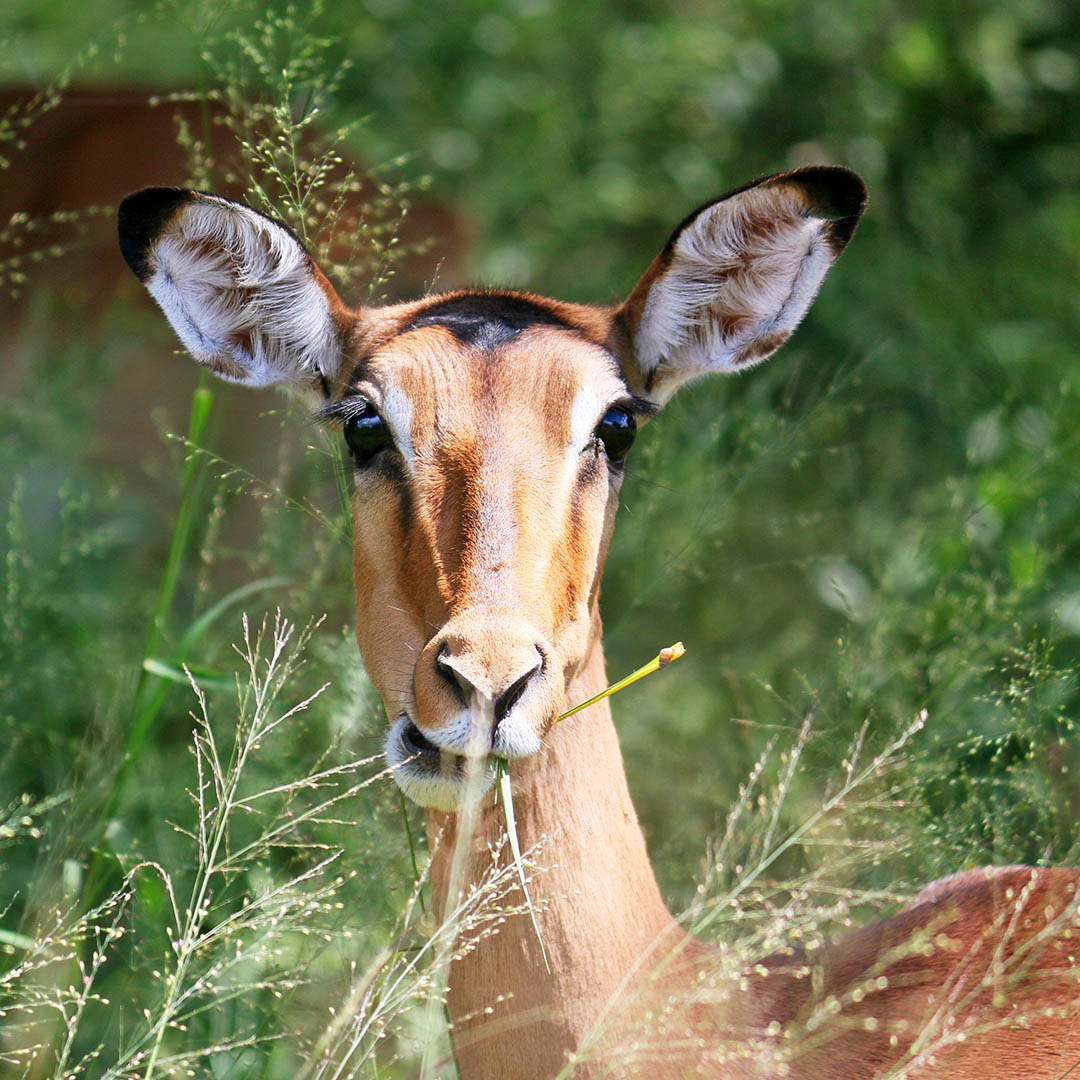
x,y
485,320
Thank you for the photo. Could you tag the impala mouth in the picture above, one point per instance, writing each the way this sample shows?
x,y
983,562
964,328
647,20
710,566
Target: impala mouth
x,y
417,741
430,775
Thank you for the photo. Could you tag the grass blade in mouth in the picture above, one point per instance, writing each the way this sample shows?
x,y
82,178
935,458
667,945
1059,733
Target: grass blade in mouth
x,y
515,848
665,656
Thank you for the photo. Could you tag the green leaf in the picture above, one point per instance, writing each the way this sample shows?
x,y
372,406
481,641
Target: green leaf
x,y
205,677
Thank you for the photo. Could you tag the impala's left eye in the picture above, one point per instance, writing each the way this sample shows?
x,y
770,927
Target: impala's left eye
x,y
365,434
616,431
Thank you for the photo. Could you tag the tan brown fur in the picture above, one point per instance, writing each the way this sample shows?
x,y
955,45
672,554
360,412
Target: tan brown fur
x,y
471,464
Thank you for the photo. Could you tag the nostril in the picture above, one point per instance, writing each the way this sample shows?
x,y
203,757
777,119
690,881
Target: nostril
x,y
462,687
512,694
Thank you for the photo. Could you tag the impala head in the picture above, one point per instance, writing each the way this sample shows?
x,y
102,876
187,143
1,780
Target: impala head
x,y
488,432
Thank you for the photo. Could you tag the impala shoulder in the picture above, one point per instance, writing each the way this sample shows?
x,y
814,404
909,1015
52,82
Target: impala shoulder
x,y
1004,883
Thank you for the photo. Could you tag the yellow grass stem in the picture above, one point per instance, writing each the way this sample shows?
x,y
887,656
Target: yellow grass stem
x,y
662,658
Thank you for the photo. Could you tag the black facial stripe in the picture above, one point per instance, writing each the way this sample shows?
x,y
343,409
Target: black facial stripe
x,y
485,321
385,476
594,466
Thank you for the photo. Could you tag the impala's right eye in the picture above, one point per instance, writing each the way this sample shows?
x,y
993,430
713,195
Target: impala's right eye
x,y
365,434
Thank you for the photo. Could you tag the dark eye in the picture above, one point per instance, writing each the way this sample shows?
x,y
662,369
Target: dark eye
x,y
616,431
365,434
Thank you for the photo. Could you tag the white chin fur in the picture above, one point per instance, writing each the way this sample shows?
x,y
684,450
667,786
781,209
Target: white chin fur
x,y
515,737
439,784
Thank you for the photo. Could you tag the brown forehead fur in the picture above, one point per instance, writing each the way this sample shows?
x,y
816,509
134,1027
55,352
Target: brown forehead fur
x,y
470,459
374,329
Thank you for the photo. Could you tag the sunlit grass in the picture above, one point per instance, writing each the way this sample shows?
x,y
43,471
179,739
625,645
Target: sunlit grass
x,y
936,474
219,937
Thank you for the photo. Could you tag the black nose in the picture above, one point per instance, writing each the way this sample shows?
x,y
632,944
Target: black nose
x,y
506,699
460,685
512,694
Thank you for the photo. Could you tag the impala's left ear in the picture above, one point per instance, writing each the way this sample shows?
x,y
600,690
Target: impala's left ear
x,y
238,288
737,276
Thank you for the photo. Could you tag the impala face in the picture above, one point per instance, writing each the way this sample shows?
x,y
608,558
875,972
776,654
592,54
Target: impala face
x,y
488,433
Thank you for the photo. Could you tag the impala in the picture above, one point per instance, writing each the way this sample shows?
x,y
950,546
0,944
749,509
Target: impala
x,y
489,432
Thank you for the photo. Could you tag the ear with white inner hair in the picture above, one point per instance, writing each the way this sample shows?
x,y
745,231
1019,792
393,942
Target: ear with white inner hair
x,y
238,288
737,277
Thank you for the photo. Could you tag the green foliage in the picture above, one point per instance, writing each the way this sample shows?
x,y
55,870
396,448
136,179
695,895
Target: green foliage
x,y
882,521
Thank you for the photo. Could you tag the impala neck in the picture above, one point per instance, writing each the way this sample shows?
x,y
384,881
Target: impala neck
x,y
599,908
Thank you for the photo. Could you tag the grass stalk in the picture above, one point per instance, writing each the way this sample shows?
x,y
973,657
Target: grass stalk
x,y
145,705
662,658
150,688
417,882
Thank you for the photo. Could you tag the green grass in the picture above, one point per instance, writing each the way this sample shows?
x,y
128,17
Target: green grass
x,y
879,523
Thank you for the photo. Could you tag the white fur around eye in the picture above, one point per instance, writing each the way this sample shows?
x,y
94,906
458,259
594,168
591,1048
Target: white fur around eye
x,y
240,293
741,277
398,413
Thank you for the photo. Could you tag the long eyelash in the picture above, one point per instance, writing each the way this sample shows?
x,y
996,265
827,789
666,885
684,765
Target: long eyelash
x,y
343,410
639,406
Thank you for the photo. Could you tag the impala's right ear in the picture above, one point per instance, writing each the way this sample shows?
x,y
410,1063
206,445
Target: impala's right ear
x,y
737,277
238,288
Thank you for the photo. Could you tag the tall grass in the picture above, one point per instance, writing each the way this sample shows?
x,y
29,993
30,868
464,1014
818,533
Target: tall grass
x,y
230,891
247,920
240,953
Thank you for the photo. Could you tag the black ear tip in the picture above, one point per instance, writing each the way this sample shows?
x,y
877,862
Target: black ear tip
x,y
835,193
140,219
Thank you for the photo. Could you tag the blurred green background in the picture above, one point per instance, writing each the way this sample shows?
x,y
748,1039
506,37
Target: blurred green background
x,y
884,519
